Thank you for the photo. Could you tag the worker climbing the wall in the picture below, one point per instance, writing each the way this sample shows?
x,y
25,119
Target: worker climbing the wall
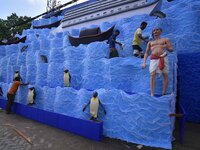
x,y
11,93
137,41
159,60
112,41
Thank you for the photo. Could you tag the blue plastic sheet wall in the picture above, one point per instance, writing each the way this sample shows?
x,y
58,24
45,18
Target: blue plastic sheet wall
x,y
189,84
122,85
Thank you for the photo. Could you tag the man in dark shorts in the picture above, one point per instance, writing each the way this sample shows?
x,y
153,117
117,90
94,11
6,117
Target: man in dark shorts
x,y
137,41
11,93
111,42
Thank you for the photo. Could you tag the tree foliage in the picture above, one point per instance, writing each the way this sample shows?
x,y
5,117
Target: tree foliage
x,y
13,25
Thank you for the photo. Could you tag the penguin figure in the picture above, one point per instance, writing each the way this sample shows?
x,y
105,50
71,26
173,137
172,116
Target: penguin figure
x,y
17,74
44,58
23,49
94,106
31,96
1,92
67,78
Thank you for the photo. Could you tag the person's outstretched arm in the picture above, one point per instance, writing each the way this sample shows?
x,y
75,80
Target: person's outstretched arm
x,y
117,42
140,36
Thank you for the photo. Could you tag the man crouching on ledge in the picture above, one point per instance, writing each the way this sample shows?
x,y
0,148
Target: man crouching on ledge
x,y
159,60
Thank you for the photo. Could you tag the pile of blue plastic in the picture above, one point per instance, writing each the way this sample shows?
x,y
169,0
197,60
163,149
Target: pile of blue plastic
x,y
123,87
184,18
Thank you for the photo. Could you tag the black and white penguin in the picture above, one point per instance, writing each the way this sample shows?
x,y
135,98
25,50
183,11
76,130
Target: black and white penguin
x,y
44,58
67,78
23,49
31,96
94,106
1,91
17,74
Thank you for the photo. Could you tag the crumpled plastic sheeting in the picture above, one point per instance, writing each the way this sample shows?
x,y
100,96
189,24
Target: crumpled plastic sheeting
x,y
12,49
17,68
179,17
145,118
29,31
30,38
22,70
66,42
21,59
41,37
96,74
84,97
189,84
126,74
35,45
31,74
55,75
49,97
12,60
67,98
74,63
97,50
127,42
41,74
45,31
2,51
137,118
10,74
59,35
23,95
30,58
75,68
122,73
57,55
75,53
56,43
45,44
3,69
51,36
